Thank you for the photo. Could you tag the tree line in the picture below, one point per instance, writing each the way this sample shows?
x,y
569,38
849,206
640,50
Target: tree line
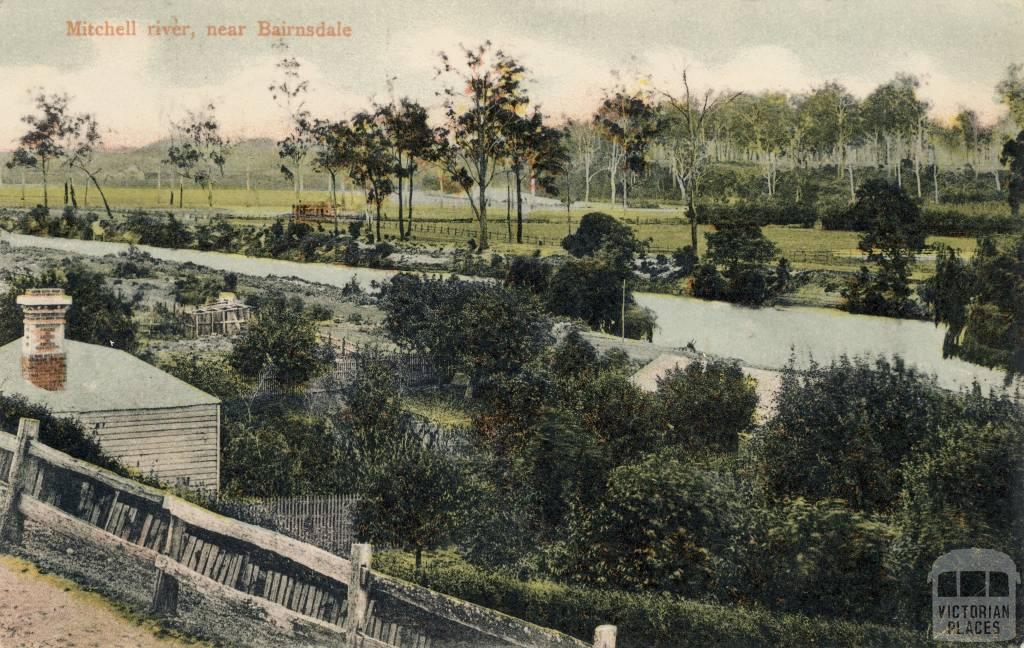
x,y
489,128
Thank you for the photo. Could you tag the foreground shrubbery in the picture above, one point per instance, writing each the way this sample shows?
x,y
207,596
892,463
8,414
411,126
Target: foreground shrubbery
x,y
643,620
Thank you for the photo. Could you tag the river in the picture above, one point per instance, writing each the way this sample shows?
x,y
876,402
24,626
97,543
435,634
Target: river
x,y
765,337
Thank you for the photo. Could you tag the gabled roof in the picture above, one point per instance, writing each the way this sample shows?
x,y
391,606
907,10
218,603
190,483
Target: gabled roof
x,y
100,379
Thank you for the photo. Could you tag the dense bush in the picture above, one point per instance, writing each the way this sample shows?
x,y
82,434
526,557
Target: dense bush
x,y
737,267
602,235
98,314
707,404
939,220
761,213
659,526
643,620
60,433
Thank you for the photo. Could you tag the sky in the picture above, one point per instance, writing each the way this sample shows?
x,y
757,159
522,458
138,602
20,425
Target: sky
x,y
573,49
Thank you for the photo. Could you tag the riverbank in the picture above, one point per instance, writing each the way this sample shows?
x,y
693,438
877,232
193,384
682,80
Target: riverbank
x,y
764,337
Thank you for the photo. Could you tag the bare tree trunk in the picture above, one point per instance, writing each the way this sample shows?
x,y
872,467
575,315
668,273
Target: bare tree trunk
x,y
103,196
693,222
401,204
411,172
519,207
611,173
853,192
917,159
377,203
586,181
483,243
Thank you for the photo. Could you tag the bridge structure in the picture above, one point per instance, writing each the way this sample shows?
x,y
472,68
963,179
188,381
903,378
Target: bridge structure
x,y
217,577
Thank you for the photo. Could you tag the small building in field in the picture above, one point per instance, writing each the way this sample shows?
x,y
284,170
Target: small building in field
x,y
225,316
145,417
766,382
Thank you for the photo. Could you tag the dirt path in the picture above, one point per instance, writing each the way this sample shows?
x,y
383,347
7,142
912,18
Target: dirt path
x,y
39,610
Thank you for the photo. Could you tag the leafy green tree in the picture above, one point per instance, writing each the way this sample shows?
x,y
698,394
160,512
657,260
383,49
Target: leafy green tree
x,y
843,431
895,234
330,147
499,330
530,273
285,338
421,314
982,304
602,235
960,491
198,149
589,290
415,500
411,139
373,421
630,123
820,558
473,140
503,331
707,404
736,266
1012,156
45,141
659,526
532,146
283,454
573,355
98,315
369,160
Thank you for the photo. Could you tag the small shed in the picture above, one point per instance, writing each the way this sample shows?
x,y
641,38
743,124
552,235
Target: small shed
x,y
225,316
145,417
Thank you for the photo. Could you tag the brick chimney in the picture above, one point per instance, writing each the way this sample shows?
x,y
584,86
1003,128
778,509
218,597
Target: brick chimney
x,y
42,346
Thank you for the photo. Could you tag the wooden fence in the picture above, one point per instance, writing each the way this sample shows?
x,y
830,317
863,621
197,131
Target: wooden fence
x,y
250,576
326,521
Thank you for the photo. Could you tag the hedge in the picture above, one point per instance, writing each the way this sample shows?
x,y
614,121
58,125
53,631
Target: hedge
x,y
939,221
761,214
643,620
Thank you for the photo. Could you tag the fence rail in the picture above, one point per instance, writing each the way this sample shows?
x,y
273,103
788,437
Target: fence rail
x,y
297,588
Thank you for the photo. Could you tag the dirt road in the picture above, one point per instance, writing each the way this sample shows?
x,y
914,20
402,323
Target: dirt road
x,y
39,610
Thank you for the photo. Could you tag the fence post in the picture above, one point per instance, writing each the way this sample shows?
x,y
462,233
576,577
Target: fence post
x,y
10,519
604,636
358,599
165,591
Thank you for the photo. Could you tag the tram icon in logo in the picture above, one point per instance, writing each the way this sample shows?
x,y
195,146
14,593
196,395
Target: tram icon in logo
x,y
974,596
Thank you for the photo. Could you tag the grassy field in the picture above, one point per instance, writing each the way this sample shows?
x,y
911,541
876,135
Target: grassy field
x,y
544,228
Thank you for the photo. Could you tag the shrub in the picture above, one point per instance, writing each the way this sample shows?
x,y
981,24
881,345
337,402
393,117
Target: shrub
x,y
644,620
707,404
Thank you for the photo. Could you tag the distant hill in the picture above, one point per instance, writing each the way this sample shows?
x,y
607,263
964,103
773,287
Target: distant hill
x,y
143,166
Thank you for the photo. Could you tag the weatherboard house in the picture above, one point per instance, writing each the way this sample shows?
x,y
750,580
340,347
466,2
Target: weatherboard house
x,y
145,417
